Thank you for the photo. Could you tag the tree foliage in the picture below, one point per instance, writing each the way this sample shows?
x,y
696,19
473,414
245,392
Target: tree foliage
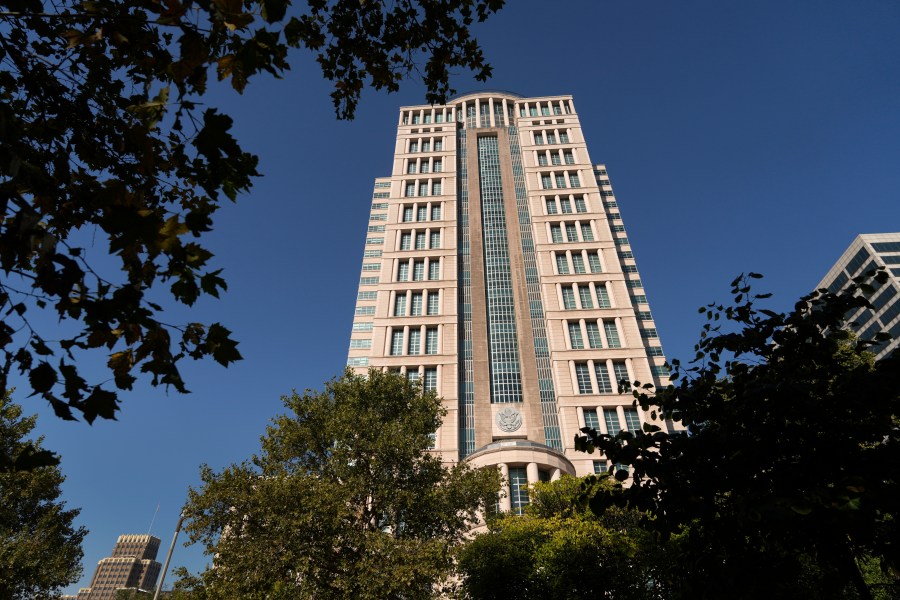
x,y
106,144
559,549
344,501
788,465
40,548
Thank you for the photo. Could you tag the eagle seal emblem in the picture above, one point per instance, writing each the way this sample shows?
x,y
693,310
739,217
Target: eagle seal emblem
x,y
509,419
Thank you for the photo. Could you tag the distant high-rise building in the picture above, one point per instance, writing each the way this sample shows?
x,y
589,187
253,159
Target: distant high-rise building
x,y
869,251
131,565
497,270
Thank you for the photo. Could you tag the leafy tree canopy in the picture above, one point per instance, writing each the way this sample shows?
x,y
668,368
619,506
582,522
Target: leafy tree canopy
x,y
559,549
105,139
344,501
789,461
40,548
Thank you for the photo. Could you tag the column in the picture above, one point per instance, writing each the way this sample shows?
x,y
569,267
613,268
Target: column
x,y
505,499
532,473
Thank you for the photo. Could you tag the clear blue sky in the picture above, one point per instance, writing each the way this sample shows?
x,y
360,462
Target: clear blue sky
x,y
739,136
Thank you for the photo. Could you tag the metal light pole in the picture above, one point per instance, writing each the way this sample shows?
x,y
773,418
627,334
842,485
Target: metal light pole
x,y
162,576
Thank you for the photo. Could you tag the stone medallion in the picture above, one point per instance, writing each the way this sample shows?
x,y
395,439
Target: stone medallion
x,y
509,419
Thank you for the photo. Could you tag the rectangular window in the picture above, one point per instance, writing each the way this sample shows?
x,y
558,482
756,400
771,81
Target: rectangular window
x,y
427,119
538,139
410,190
435,239
603,381
431,340
583,377
632,422
542,159
618,228
600,467
562,265
622,379
400,305
438,166
419,270
615,217
415,119
436,213
397,343
556,234
433,299
431,379
612,334
423,189
639,299
360,344
603,297
590,419
426,146
420,240
578,262
411,168
403,271
594,262
362,311
551,206
568,298
634,283
368,281
571,232
621,241
570,158
556,159
413,146
439,118
563,137
545,111
586,233
644,315
382,184
626,254
378,217
422,213
407,214
593,332
417,304
546,182
438,145
381,195
436,189
358,361
584,294
413,375
518,489
415,341
560,181
649,334
367,295
654,351
612,421
434,270
372,241
580,205
362,327
574,181
577,343
566,206
551,137
660,370
630,269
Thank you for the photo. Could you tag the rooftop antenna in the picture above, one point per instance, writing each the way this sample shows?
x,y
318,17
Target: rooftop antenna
x,y
153,519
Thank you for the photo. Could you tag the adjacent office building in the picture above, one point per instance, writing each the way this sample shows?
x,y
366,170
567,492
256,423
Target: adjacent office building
x,y
870,251
131,565
497,270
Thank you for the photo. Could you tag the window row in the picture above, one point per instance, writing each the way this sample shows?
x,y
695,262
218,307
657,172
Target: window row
x,y
427,375
544,109
418,269
426,116
425,145
602,333
425,165
416,304
580,296
420,240
560,157
380,195
414,340
563,204
552,181
550,136
576,261
421,188
568,232
602,377
421,212
612,419
382,184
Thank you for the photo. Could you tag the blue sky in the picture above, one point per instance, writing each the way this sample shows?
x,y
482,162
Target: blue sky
x,y
738,136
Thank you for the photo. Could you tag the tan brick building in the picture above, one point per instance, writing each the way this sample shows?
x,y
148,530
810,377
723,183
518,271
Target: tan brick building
x,y
497,270
131,565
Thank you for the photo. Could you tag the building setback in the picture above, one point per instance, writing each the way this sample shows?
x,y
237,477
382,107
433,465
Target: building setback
x,y
870,251
131,565
497,270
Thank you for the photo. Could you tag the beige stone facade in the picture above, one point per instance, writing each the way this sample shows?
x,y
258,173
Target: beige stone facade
x,y
497,270
131,565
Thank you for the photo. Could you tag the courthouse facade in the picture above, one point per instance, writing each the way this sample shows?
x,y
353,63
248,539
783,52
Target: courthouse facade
x,y
497,270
